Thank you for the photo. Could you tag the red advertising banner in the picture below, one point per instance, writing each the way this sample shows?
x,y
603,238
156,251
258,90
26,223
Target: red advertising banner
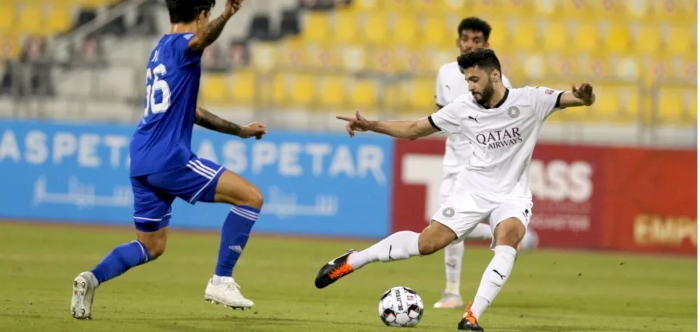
x,y
651,201
584,197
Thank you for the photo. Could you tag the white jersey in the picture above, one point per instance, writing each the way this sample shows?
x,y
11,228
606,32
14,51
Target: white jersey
x,y
502,139
449,85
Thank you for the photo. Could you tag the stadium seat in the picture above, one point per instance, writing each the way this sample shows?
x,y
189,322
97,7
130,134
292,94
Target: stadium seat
x,y
31,19
586,36
422,94
616,37
375,28
332,91
396,5
265,55
681,39
243,87
500,35
410,58
213,90
485,7
544,8
677,105
556,36
345,27
575,9
434,31
292,52
382,58
7,17
404,29
617,104
353,57
364,93
322,55
365,5
303,89
647,38
635,9
526,35
316,27
60,18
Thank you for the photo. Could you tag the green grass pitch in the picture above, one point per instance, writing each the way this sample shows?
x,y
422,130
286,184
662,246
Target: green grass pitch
x,y
548,290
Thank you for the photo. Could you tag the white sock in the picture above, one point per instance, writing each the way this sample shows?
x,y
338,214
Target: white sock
x,y
480,232
397,246
494,278
216,280
453,266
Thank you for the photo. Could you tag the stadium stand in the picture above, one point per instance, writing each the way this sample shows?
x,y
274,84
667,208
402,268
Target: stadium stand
x,y
383,54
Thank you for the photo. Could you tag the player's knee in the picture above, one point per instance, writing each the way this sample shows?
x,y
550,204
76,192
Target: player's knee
x,y
155,244
253,197
434,238
510,232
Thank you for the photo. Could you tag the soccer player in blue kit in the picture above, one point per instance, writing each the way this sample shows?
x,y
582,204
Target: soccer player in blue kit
x,y
164,167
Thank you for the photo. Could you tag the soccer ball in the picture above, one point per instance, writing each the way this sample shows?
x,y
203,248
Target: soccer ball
x,y
400,307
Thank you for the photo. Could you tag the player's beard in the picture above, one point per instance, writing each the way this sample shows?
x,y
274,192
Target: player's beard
x,y
484,96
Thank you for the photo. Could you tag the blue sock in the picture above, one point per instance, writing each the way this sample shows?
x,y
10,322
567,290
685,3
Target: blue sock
x,y
234,236
121,259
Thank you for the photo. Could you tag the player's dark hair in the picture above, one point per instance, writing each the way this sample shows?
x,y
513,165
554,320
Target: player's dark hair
x,y
484,58
186,11
475,24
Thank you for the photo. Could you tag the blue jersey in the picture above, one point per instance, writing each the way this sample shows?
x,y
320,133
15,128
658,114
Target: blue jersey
x,y
163,137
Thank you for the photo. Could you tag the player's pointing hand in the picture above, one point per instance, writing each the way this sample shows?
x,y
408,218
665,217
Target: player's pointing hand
x,y
232,7
584,92
356,123
257,130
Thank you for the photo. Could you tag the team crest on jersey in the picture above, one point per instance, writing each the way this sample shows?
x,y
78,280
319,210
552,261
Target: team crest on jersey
x,y
448,212
513,112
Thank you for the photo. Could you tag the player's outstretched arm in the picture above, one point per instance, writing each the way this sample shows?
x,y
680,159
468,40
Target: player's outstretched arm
x,y
578,96
400,129
210,121
212,31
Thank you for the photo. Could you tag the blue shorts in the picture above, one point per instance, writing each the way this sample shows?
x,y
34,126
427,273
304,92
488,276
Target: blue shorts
x,y
154,193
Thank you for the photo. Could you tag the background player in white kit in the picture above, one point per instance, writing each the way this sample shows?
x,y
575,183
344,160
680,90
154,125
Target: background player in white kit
x,y
502,125
472,33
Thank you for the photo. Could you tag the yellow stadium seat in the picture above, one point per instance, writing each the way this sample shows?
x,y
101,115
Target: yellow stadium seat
x,y
500,33
422,95
264,55
627,68
365,5
396,5
647,39
60,18
375,28
534,65
243,87
410,58
616,104
485,7
677,105
322,55
31,19
674,10
616,38
316,27
436,57
544,7
293,52
364,93
280,86
434,31
382,58
526,35
635,9
432,6
586,36
303,90
213,89
556,36
353,57
575,9
7,17
405,29
346,26
332,91
453,5
680,39
608,9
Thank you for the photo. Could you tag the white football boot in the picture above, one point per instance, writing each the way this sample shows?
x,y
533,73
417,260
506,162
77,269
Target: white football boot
x,y
84,286
227,293
449,301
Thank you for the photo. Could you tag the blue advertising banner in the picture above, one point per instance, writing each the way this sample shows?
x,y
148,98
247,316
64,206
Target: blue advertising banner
x,y
313,183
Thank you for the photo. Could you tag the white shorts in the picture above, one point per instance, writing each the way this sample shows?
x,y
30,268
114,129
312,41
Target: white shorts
x,y
448,182
462,211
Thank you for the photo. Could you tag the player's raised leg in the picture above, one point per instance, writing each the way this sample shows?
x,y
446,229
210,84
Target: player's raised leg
x,y
398,246
151,219
246,200
511,222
